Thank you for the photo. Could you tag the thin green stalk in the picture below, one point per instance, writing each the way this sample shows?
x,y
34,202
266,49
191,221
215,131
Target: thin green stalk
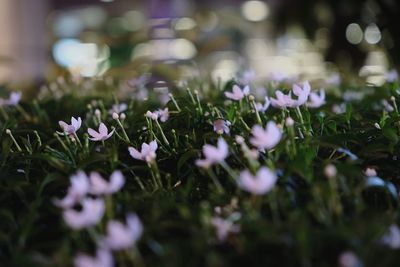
x,y
215,180
174,101
162,133
229,170
123,131
4,113
8,131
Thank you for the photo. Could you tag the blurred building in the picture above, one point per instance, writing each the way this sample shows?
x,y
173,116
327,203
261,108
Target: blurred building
x,y
23,40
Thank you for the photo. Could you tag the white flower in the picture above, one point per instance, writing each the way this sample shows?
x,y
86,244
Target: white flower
x,y
147,153
101,135
91,213
120,236
99,186
70,129
237,93
260,184
103,258
265,139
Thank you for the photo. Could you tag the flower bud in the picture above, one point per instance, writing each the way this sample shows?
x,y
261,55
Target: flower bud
x,y
239,139
115,116
330,171
289,122
97,112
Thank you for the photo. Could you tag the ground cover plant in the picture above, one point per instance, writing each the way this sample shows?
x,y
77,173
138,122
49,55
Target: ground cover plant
x,y
196,173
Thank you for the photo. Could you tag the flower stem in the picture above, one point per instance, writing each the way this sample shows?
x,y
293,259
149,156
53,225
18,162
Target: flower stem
x,y
174,101
253,103
229,170
162,133
215,180
123,130
4,113
8,131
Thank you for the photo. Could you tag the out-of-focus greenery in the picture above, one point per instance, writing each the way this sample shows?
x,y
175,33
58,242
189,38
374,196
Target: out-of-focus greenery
x,y
304,221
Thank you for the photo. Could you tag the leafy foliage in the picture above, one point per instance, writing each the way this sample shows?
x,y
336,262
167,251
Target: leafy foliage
x,y
306,220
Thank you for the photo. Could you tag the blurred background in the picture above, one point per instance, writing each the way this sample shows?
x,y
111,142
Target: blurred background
x,y
282,39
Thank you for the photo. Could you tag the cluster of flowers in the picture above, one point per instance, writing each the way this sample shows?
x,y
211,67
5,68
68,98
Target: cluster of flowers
x,y
71,129
304,94
88,192
262,139
162,114
260,183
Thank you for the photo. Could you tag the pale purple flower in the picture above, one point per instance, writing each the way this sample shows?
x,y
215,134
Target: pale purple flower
x,y
334,79
247,76
370,172
120,236
224,228
259,184
237,93
91,213
147,153
391,76
387,106
301,93
78,189
163,114
316,100
339,109
70,129
348,259
263,107
13,99
282,100
118,108
278,76
103,258
212,154
101,135
221,126
152,115
392,237
265,138
99,186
